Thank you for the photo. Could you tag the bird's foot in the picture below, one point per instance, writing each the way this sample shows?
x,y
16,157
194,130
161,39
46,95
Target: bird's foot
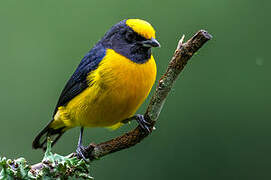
x,y
82,153
145,125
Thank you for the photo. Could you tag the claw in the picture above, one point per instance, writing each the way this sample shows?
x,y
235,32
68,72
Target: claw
x,y
145,125
81,150
82,153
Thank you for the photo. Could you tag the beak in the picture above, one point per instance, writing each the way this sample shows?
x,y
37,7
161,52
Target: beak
x,y
151,43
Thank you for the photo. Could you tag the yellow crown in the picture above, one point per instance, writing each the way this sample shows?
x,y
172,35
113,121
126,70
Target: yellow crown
x,y
141,27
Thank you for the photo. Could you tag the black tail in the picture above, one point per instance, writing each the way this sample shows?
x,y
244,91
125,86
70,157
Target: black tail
x,y
41,139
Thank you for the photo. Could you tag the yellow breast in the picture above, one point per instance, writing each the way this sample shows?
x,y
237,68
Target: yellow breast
x,y
117,88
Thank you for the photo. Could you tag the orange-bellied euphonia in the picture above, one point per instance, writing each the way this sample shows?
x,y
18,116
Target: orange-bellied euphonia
x,y
109,85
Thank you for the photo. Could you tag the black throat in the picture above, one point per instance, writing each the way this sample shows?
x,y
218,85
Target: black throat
x,y
115,39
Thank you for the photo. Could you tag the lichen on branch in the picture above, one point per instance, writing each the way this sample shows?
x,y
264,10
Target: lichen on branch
x,y
53,166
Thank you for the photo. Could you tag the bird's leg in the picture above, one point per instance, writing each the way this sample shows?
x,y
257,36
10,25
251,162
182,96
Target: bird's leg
x,y
145,125
81,150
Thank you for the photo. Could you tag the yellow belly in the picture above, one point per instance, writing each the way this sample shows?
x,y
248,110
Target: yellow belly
x,y
117,88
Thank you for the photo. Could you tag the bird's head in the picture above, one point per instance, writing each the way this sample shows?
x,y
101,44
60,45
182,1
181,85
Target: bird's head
x,y
132,38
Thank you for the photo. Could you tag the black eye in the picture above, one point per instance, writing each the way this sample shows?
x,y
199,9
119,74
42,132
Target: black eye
x,y
130,36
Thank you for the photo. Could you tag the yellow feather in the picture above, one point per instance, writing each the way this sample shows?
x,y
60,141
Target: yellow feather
x,y
141,27
115,126
117,89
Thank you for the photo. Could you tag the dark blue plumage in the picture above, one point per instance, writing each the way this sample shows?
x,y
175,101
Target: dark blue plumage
x,y
78,82
120,38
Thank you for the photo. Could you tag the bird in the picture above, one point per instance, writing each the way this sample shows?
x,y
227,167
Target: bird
x,y
109,85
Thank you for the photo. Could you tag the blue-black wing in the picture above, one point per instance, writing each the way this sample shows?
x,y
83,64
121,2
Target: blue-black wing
x,y
78,81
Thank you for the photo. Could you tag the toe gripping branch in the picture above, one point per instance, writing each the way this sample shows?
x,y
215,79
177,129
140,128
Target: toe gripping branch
x,y
81,151
142,121
85,152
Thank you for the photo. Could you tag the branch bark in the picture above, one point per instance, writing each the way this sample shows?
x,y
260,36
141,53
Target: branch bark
x,y
180,58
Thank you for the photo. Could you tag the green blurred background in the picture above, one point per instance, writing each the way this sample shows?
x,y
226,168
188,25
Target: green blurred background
x,y
216,121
